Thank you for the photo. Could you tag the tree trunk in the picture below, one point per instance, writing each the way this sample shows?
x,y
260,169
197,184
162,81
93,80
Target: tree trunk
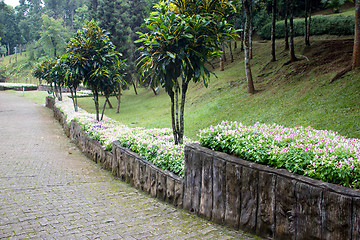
x,y
175,134
15,54
292,48
286,30
223,55
356,50
119,99
182,110
231,52
54,45
273,57
103,110
135,88
154,91
96,101
251,29
221,64
309,25
177,121
247,41
307,20
73,97
20,49
235,20
8,47
109,103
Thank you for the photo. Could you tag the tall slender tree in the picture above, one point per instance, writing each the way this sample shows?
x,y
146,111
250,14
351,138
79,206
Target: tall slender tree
x,y
247,43
273,25
356,51
292,47
286,29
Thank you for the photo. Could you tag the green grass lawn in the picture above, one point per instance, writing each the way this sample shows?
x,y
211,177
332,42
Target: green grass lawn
x,y
306,100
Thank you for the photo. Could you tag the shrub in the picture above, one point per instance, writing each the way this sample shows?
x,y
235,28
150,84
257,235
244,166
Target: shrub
x,y
332,25
319,154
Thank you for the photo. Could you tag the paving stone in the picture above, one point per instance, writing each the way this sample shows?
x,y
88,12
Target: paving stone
x,y
50,190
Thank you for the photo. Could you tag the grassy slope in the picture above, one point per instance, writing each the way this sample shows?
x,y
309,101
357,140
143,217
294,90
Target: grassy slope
x,y
295,94
19,71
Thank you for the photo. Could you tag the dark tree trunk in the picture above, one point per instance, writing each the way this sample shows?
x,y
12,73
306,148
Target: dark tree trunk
x,y
172,99
221,64
356,50
96,101
20,49
154,90
286,30
74,98
223,55
119,99
135,88
231,52
109,103
16,54
307,23
273,57
235,20
103,110
292,48
247,41
182,110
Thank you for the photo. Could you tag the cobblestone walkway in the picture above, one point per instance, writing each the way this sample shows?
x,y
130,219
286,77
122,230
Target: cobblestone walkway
x,y
49,190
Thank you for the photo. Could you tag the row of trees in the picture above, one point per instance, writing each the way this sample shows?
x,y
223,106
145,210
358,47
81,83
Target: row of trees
x,y
90,59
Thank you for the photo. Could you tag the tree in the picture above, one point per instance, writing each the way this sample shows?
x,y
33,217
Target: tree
x,y
94,57
29,19
307,22
175,52
81,16
286,29
53,35
292,47
247,43
72,78
43,71
356,51
10,34
273,56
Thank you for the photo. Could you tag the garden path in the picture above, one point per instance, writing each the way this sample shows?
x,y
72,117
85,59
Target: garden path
x,y
50,190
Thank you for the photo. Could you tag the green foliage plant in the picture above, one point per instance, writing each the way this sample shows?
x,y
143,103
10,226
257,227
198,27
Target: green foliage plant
x,y
320,154
43,72
175,52
57,75
94,58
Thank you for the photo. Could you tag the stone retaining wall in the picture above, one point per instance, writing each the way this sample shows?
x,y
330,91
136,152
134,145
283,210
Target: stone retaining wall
x,y
125,164
269,202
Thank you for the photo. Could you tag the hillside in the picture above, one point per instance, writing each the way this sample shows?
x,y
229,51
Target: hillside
x,y
294,94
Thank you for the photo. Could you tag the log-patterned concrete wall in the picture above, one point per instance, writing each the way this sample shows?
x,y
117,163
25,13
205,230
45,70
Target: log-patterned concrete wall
x,y
269,202
225,189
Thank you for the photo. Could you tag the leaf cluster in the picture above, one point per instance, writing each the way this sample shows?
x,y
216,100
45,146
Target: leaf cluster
x,y
178,45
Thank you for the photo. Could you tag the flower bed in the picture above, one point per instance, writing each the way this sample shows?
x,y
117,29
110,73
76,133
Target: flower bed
x,y
16,85
320,154
154,145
